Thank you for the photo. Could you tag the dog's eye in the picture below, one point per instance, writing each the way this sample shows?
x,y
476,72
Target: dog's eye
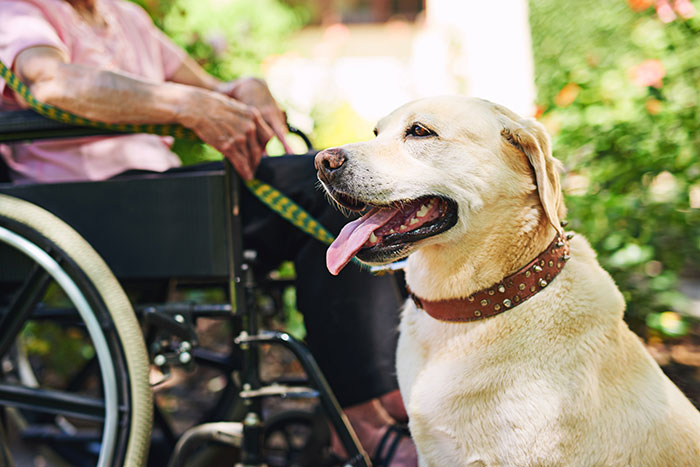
x,y
419,131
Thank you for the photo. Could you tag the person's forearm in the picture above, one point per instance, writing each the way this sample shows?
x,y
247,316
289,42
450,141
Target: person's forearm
x,y
189,72
111,97
234,128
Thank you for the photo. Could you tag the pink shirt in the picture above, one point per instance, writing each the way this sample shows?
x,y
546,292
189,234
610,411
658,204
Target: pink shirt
x,y
130,43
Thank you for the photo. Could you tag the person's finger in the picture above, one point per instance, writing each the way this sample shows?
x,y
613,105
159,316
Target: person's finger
x,y
226,144
282,136
283,139
254,151
277,121
279,126
240,163
264,130
243,149
255,156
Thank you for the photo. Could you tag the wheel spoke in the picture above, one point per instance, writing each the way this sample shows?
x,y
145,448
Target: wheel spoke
x,y
52,401
289,439
22,306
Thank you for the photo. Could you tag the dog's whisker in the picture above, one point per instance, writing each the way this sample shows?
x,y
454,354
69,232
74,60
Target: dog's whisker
x,y
332,201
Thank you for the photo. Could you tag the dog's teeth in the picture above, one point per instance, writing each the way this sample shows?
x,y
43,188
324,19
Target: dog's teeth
x,y
392,231
373,238
413,221
402,228
423,211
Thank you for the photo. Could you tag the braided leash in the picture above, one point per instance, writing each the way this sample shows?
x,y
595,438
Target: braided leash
x,y
268,195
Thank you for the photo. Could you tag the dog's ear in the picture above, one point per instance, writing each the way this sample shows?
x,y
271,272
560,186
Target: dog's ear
x,y
532,139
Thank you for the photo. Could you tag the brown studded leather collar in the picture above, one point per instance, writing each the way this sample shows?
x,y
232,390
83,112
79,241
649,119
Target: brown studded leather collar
x,y
508,293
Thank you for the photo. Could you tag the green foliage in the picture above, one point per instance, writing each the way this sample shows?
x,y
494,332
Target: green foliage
x,y
56,350
631,148
231,38
228,38
293,319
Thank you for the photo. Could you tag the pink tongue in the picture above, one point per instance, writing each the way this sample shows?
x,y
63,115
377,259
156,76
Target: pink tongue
x,y
353,236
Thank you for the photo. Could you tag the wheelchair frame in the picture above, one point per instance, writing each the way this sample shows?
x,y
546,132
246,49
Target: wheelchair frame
x,y
25,125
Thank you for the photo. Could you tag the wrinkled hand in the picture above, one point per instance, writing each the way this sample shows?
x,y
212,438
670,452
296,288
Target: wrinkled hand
x,y
234,128
255,93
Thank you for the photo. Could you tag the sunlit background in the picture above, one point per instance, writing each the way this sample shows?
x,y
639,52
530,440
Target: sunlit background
x,y
615,82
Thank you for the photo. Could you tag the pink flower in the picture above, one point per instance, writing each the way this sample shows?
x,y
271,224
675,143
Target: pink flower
x,y
666,13
684,8
664,10
648,73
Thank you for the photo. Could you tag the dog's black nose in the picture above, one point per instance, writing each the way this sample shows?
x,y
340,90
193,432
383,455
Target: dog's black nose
x,y
328,163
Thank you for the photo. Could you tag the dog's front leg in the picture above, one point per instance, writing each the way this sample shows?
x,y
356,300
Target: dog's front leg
x,y
410,357
438,449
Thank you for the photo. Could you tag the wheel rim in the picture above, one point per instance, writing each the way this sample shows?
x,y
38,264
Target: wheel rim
x,y
102,351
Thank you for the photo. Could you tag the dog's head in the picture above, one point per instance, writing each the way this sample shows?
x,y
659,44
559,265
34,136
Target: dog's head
x,y
434,168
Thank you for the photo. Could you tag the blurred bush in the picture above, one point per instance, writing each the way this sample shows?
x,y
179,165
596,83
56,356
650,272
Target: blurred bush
x,y
619,91
228,38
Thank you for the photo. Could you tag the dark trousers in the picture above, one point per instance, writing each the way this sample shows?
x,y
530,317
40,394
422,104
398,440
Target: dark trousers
x,y
351,319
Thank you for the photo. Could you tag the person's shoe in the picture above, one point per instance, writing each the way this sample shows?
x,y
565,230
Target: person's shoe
x,y
396,448
388,442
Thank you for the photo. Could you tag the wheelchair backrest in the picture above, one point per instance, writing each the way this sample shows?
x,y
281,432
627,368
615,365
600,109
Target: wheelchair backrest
x,y
144,226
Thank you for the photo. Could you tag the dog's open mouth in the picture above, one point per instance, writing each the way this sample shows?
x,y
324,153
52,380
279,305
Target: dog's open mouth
x,y
384,232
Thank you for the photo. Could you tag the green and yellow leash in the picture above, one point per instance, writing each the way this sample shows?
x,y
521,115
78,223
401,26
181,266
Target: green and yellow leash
x,y
268,195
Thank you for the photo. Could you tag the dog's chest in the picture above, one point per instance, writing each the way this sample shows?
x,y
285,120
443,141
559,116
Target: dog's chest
x,y
466,393
450,400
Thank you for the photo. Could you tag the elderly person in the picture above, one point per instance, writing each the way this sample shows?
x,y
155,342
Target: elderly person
x,y
105,60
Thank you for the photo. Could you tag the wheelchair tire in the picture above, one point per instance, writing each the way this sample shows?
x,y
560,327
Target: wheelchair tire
x,y
298,438
62,256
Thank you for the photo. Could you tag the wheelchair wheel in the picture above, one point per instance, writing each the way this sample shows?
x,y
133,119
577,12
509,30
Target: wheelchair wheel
x,y
297,438
68,325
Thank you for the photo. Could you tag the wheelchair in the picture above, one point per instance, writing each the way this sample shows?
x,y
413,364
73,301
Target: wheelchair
x,y
68,251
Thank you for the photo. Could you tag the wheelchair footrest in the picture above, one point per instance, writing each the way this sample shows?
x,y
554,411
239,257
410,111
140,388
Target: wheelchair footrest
x,y
280,390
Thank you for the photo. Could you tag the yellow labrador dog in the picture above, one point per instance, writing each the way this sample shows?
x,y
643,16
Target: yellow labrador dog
x,y
513,350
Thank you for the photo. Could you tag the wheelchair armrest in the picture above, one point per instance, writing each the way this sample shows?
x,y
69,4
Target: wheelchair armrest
x,y
22,125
